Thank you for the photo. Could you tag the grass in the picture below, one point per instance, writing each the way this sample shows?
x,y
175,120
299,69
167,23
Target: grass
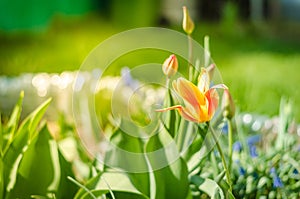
x,y
258,64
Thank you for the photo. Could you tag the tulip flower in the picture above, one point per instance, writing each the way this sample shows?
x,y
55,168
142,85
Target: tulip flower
x,y
200,101
187,23
170,66
228,105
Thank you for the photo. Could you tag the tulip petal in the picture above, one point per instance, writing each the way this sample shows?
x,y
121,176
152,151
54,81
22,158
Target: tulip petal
x,y
182,111
213,101
203,81
170,66
169,108
221,86
188,115
189,93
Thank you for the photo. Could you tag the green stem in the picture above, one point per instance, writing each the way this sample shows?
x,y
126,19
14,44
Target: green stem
x,y
190,58
167,83
228,179
230,143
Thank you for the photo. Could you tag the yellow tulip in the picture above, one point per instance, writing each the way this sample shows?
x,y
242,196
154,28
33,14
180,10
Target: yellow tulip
x,y
200,101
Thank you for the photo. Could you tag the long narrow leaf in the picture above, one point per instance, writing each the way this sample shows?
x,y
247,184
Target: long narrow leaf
x,y
169,169
15,116
12,124
38,172
21,139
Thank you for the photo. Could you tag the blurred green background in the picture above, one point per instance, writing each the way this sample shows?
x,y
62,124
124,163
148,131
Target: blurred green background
x,y
255,44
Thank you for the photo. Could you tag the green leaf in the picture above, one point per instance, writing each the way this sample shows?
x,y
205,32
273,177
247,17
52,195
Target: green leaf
x,y
39,171
91,185
171,116
118,182
1,137
126,154
13,153
210,187
1,179
66,189
35,118
192,155
12,124
1,161
263,181
169,169
187,131
15,116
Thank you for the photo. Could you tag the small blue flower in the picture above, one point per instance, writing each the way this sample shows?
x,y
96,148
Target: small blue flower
x,y
253,152
277,183
295,171
272,171
225,128
242,171
237,146
252,140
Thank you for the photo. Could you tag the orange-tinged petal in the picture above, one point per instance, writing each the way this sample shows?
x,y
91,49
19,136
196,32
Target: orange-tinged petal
x,y
186,114
169,108
182,111
213,101
200,103
189,92
170,66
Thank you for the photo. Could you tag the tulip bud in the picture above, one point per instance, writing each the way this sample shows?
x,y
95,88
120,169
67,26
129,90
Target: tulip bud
x,y
187,23
228,106
170,66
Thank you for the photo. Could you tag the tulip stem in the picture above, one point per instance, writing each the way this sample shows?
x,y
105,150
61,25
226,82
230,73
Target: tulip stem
x,y
167,83
230,143
190,58
227,173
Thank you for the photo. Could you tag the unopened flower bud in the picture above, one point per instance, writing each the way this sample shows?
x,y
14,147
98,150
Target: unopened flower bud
x,y
228,106
170,66
187,23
